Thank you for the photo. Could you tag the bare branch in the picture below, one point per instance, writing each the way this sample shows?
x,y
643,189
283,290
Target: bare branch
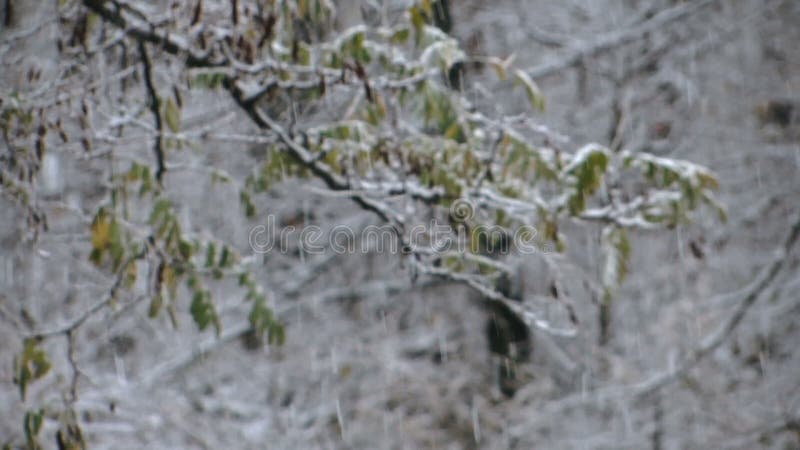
x,y
750,295
155,108
74,324
617,39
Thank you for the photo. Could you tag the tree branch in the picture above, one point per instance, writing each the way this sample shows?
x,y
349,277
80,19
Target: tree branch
x,y
750,294
155,108
74,324
617,39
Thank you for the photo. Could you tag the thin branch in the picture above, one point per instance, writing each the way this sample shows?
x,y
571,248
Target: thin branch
x,y
155,108
74,324
22,34
711,342
145,31
73,385
750,294
529,317
234,332
617,39
6,316
199,352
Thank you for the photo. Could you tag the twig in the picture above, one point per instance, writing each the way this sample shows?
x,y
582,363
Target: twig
x,y
492,155
73,385
234,332
155,108
144,31
751,294
614,40
197,353
78,321
7,316
529,317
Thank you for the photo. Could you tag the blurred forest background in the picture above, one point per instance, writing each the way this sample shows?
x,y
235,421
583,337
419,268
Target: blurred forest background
x,y
376,350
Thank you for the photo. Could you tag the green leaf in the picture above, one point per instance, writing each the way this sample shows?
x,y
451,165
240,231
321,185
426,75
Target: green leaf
x,y
353,45
224,257
203,311
586,171
683,186
535,96
130,275
208,80
169,280
418,21
115,248
247,203
210,254
30,365
262,321
374,113
96,256
276,335
160,209
185,248
453,131
155,306
303,54
340,132
260,316
400,36
617,249
32,424
172,115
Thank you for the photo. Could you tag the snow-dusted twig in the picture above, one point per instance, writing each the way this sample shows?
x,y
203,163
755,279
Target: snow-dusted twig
x,y
619,38
75,323
750,294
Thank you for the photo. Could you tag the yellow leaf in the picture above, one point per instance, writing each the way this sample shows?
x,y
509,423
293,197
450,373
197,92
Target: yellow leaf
x,y
501,65
101,230
452,131
170,280
531,88
130,274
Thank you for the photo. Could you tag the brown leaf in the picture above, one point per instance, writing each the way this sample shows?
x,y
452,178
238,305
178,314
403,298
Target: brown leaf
x,y
368,91
198,12
696,249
